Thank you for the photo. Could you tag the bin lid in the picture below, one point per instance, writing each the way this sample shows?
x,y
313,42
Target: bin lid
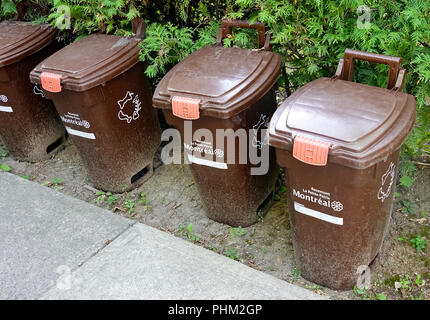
x,y
89,62
20,39
225,81
356,123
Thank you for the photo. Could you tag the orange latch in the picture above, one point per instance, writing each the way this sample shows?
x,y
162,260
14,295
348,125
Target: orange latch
x,y
186,108
311,151
51,81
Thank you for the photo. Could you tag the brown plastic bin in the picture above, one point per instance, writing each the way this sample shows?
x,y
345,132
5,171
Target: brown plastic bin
x,y
29,124
103,97
339,143
230,88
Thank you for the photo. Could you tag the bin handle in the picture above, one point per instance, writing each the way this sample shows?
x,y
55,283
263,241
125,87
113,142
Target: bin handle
x,y
138,27
396,75
227,25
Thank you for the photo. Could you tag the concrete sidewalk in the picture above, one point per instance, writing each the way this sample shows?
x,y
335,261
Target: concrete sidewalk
x,y
56,247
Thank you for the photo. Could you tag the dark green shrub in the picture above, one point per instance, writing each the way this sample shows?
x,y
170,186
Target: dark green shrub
x,y
165,45
35,10
186,13
89,16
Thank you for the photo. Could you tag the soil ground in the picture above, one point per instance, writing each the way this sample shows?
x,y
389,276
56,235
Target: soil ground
x,y
171,203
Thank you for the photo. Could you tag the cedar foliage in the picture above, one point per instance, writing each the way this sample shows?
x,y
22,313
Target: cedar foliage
x,y
29,10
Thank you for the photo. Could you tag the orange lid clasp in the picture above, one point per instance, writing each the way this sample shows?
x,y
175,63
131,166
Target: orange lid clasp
x,y
51,81
311,151
186,108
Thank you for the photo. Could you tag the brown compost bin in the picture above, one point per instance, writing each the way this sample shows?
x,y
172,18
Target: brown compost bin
x,y
225,88
339,143
30,127
103,97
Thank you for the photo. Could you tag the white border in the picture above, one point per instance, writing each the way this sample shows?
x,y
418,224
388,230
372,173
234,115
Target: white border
x,y
204,162
6,109
316,214
80,133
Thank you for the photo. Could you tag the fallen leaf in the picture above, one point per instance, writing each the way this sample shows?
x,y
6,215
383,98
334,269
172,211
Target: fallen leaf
x,y
320,292
420,221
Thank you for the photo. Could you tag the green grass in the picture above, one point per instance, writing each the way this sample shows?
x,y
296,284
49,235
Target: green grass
x,y
239,231
188,231
419,243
